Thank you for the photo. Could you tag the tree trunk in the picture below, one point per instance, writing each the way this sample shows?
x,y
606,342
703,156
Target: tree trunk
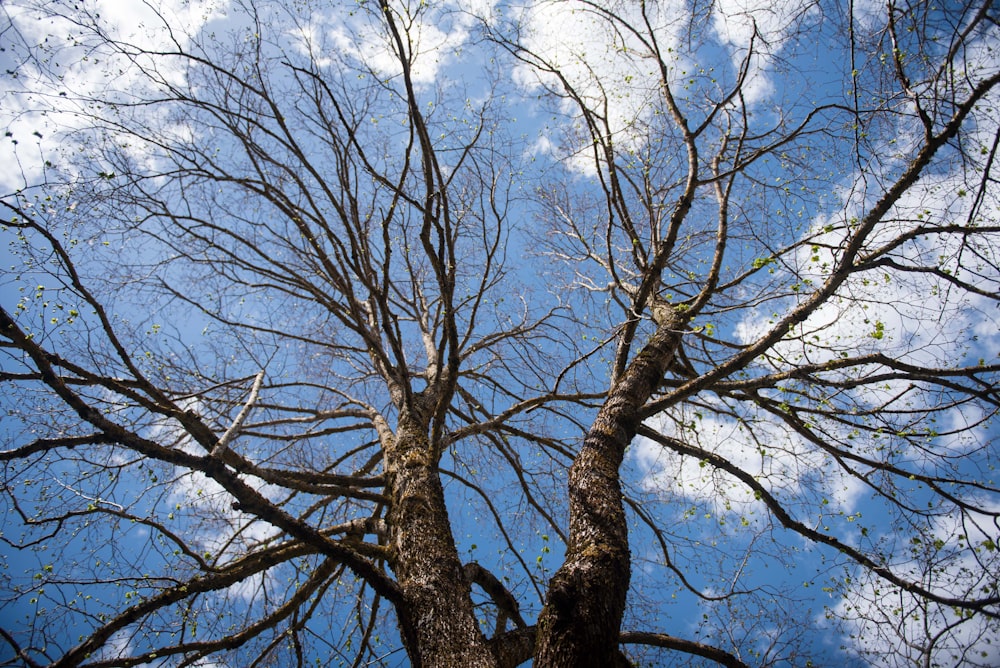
x,y
581,620
436,616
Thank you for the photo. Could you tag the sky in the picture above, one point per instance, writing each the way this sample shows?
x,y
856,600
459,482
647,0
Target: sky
x,y
714,513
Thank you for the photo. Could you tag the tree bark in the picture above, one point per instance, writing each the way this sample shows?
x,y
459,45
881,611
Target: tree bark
x,y
438,623
581,621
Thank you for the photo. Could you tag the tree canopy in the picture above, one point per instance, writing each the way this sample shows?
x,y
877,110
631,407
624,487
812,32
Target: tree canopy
x,y
439,333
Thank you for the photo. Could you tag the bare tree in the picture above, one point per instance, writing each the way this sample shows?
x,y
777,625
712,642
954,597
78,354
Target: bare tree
x,y
302,327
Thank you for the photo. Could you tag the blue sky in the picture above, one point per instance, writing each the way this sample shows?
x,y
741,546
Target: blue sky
x,y
721,534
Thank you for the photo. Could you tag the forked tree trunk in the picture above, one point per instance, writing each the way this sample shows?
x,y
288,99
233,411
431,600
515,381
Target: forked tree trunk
x,y
436,616
581,620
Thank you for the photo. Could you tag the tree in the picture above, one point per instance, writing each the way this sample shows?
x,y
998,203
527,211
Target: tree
x,y
309,344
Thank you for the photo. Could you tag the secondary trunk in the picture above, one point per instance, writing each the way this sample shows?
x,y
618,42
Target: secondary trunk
x,y
581,620
436,617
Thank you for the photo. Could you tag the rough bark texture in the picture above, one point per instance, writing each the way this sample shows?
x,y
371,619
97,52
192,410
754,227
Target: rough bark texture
x,y
439,628
581,621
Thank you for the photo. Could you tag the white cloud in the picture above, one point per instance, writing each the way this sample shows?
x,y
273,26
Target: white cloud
x,y
203,497
609,68
916,317
211,525
922,319
42,108
136,21
250,588
210,663
219,530
434,35
900,629
870,14
768,25
618,76
777,458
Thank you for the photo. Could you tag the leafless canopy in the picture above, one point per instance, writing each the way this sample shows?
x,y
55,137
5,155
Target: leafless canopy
x,y
399,333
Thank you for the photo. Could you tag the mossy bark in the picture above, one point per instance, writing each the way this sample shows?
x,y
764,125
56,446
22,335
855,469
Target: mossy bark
x,y
437,620
581,620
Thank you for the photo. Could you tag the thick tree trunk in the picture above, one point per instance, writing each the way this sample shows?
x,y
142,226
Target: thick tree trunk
x,y
581,620
437,619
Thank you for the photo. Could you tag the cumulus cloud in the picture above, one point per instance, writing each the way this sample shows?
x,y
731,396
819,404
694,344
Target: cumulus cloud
x,y
610,69
955,556
920,318
781,461
210,523
435,34
762,25
41,107
917,317
617,75
217,528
